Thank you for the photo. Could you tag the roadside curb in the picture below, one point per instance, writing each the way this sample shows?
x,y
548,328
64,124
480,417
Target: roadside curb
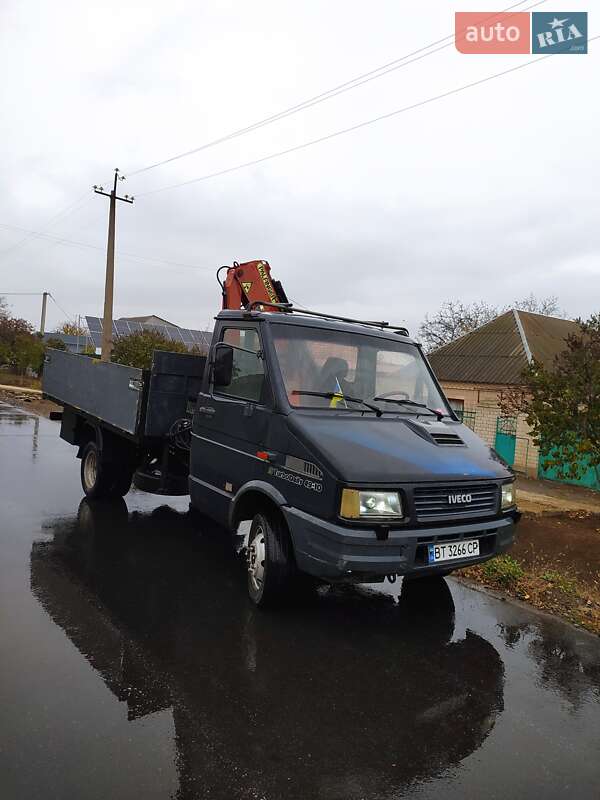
x,y
20,389
504,597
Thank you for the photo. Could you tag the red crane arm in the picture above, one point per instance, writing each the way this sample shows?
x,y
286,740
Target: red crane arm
x,y
251,282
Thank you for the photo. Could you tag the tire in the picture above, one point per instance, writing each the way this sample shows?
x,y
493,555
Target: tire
x,y
432,576
122,482
101,479
270,559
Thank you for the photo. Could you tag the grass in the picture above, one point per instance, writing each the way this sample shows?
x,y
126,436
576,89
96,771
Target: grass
x,y
544,585
504,571
559,581
10,379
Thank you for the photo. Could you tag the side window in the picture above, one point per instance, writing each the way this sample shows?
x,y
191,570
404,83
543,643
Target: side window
x,y
248,372
242,337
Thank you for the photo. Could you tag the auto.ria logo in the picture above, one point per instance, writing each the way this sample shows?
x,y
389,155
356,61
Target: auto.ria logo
x,y
510,32
559,33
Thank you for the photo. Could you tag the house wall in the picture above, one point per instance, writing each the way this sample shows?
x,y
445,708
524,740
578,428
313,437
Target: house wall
x,y
482,400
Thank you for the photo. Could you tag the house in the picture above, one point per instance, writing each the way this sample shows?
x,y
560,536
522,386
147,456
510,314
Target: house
x,y
73,344
475,369
124,326
151,319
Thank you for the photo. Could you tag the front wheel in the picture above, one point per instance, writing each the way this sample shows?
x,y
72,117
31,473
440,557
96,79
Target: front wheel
x,y
270,559
432,576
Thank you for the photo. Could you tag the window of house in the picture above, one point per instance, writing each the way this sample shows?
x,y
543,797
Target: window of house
x,y
456,405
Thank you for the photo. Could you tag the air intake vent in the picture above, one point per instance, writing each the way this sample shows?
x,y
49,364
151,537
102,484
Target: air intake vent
x,y
447,439
303,467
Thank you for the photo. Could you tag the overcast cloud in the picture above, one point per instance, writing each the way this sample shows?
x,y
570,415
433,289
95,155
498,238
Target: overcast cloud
x,y
489,194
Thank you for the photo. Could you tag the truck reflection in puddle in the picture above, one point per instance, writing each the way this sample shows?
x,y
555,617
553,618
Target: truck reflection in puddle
x,y
349,695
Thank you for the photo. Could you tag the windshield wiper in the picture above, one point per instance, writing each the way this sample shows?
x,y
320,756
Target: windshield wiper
x,y
331,395
401,402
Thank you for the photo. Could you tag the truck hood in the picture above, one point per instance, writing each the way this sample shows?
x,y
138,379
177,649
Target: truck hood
x,y
394,449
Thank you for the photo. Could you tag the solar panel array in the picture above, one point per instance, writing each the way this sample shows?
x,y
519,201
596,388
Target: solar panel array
x,y
123,327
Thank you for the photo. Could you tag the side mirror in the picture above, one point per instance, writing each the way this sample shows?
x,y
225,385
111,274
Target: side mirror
x,y
223,365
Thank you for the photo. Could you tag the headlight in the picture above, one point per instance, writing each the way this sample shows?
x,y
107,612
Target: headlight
x,y
365,505
509,496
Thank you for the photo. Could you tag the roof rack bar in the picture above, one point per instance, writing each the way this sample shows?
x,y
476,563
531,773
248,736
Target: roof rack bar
x,y
287,307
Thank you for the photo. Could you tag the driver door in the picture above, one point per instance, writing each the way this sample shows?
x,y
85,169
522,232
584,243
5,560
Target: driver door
x,y
232,422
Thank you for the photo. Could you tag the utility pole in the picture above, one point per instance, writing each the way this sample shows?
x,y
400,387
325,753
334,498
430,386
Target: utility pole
x,y
43,319
107,320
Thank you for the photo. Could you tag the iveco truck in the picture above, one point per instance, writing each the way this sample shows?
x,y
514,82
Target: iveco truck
x,y
332,437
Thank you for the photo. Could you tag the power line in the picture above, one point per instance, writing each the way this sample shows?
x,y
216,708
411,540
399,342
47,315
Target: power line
x,y
71,242
66,313
50,237
354,83
36,294
352,128
65,212
44,295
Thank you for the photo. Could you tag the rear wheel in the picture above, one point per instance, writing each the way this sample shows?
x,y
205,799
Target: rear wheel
x,y
122,482
102,479
270,559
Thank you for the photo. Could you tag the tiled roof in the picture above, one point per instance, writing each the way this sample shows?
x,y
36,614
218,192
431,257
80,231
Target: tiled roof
x,y
499,351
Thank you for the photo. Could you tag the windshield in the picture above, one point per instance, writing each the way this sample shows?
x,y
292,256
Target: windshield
x,y
325,368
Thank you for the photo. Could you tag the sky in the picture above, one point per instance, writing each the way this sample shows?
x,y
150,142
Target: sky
x,y
487,194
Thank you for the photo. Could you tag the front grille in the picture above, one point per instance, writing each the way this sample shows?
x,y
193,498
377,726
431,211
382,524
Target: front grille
x,y
456,501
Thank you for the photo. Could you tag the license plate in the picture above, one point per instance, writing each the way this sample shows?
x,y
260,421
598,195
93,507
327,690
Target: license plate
x,y
448,551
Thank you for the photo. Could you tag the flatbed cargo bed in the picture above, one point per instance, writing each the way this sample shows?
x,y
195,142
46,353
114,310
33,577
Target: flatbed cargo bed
x,y
136,403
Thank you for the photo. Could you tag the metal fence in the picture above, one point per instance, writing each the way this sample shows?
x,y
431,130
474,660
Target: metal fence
x,y
468,418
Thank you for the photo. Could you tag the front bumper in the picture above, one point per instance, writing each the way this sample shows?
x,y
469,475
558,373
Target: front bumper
x,y
327,550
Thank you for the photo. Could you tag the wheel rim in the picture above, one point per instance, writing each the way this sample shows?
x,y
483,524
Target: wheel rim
x,y
256,559
90,469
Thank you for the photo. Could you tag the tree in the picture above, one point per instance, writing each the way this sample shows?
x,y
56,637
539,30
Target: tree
x,y
3,308
548,306
455,318
136,349
55,344
28,352
562,404
11,327
19,348
71,329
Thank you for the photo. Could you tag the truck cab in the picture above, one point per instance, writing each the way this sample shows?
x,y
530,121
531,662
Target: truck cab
x,y
334,439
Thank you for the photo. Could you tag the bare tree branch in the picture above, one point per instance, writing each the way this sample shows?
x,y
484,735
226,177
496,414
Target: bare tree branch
x,y
455,318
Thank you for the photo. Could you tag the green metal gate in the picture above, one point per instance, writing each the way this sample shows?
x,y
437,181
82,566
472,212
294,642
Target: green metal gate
x,y
590,476
506,438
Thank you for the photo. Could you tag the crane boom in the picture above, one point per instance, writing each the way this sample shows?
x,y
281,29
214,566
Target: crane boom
x,y
250,283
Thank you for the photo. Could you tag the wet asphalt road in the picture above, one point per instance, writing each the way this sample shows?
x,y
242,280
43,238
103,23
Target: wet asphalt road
x,y
132,665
